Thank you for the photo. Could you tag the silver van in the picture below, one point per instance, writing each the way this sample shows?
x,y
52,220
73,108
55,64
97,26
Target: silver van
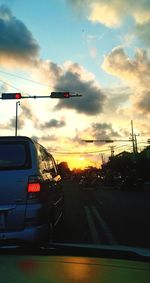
x,y
31,193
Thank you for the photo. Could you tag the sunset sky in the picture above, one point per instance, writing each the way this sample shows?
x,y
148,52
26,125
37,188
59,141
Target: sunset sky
x,y
100,49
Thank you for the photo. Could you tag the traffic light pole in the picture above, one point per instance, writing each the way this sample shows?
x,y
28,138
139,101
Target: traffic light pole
x,y
16,124
18,96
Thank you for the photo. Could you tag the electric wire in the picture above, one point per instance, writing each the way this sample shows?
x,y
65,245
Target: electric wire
x,y
82,152
10,85
33,81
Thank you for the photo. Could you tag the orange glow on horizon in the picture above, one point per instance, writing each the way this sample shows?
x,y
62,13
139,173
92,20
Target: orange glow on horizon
x,y
78,162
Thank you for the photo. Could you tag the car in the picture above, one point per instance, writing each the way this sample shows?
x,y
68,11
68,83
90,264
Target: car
x,y
31,192
77,263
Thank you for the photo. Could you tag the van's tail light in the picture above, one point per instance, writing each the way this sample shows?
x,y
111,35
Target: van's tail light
x,y
34,187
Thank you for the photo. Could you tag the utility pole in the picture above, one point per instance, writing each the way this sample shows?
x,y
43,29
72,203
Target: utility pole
x,y
133,138
112,151
136,147
103,158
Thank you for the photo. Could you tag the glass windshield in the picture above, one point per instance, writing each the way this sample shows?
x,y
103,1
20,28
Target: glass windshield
x,y
76,75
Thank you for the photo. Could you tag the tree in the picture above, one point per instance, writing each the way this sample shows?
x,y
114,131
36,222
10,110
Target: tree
x,y
63,169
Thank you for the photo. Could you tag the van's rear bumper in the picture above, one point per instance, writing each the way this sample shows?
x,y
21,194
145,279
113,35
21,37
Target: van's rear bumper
x,y
29,234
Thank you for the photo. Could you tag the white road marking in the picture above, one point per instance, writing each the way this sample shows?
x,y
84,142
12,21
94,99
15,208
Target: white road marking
x,y
92,227
93,214
104,226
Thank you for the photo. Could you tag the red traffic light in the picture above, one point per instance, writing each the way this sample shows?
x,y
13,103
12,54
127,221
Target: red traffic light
x,y
11,95
60,95
18,95
66,94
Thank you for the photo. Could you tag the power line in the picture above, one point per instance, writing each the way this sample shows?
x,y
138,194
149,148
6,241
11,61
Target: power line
x,y
144,133
74,153
20,77
64,94
85,152
12,86
33,81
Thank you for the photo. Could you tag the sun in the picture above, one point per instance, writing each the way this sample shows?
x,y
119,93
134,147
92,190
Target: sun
x,y
81,158
79,162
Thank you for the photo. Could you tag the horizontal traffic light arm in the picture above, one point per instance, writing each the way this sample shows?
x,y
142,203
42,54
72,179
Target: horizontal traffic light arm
x,y
98,141
59,95
107,141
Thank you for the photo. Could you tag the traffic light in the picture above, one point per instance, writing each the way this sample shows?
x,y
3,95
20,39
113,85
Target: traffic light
x,y
88,140
109,141
60,95
10,95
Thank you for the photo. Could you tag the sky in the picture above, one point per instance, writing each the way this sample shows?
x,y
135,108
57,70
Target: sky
x,y
99,49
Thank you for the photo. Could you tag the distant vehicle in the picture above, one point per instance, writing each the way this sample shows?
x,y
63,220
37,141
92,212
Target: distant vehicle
x,y
31,193
82,181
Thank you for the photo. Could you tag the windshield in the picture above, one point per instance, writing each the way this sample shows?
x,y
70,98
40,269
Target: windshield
x,y
74,78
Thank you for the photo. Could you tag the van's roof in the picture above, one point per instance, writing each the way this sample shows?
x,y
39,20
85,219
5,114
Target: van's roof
x,y
15,138
21,138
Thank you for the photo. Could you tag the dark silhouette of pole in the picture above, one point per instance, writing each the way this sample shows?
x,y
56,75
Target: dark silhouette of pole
x,y
16,124
133,138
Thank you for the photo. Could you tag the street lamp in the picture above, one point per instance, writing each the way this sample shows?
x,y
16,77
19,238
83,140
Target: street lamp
x,y
16,124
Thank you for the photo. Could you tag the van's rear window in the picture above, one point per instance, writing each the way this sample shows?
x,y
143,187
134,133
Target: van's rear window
x,y
14,155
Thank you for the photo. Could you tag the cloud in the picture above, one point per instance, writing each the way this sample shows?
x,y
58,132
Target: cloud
x,y
48,138
141,104
118,64
104,131
105,13
144,103
117,97
135,72
53,123
17,44
27,111
142,15
111,12
55,143
11,124
97,131
25,114
75,79
132,70
93,52
47,72
142,32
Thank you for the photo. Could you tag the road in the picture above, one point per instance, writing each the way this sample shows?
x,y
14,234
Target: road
x,y
104,216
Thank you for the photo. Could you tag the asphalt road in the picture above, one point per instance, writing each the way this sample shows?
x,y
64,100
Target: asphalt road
x,y
104,216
